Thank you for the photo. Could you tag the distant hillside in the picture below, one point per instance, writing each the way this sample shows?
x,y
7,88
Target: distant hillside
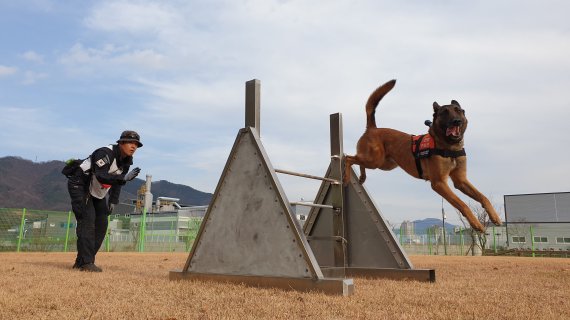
x,y
421,226
40,185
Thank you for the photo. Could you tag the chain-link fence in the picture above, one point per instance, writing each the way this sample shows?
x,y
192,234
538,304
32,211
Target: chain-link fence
x,y
39,230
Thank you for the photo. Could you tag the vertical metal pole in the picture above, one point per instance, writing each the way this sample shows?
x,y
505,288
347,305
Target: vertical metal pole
x,y
67,231
461,236
443,225
188,236
107,235
142,231
494,240
22,224
337,191
532,240
252,104
171,233
429,241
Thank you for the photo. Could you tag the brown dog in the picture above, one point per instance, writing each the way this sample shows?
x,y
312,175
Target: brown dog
x,y
386,149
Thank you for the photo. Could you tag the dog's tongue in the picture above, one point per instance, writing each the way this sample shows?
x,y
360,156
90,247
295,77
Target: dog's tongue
x,y
454,131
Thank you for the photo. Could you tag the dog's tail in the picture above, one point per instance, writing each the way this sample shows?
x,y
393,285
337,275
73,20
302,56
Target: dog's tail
x,y
373,101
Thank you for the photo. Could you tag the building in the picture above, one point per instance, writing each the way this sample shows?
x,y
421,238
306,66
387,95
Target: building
x,y
539,221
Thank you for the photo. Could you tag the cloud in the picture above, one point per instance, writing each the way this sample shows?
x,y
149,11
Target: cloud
x,y
111,60
31,77
33,56
7,71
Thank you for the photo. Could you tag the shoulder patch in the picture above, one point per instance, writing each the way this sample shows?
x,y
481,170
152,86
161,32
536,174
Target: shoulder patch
x,y
100,163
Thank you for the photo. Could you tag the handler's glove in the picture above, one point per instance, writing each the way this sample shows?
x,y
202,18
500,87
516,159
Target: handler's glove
x,y
111,207
132,174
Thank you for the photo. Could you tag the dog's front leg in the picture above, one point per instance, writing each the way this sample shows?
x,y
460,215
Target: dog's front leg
x,y
461,183
441,187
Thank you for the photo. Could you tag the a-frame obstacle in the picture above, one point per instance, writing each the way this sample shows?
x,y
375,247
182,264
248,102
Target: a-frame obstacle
x,y
250,235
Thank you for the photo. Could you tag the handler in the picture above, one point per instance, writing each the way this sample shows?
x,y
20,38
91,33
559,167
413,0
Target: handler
x,y
104,172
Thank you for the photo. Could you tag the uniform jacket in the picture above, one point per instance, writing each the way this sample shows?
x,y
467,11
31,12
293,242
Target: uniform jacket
x,y
108,172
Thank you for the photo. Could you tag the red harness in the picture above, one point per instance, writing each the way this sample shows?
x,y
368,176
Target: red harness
x,y
423,146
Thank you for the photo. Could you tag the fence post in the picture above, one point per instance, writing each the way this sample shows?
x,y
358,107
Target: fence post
x,y
429,241
494,240
461,238
172,233
107,235
22,224
142,231
67,231
532,241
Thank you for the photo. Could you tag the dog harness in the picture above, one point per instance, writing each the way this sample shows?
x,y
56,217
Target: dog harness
x,y
423,146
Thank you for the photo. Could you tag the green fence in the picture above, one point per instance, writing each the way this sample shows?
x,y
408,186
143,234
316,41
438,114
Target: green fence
x,y
40,230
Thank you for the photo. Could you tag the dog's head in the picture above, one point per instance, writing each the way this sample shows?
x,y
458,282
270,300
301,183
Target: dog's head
x,y
449,122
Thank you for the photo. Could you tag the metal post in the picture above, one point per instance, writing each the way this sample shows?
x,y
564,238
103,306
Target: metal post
x,y
337,192
532,240
67,231
22,225
142,231
443,225
429,241
107,235
171,234
461,237
494,240
252,104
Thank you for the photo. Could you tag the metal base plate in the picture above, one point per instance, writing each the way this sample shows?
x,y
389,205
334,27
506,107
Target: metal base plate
x,y
332,286
424,275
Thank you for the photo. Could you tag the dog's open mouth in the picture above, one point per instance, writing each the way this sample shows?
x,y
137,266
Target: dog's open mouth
x,y
453,132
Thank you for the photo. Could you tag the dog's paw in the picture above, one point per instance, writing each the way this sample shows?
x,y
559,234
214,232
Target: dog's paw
x,y
362,179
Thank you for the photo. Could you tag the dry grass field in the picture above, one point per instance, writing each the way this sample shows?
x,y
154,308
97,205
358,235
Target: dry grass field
x,y
136,286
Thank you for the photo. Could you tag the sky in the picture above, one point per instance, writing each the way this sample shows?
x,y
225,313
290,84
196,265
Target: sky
x,y
75,74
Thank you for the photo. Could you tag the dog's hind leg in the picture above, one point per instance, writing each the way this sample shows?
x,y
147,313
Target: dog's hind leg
x,y
362,174
443,189
348,162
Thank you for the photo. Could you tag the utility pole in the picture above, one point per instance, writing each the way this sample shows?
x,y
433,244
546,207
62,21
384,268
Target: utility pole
x,y
443,225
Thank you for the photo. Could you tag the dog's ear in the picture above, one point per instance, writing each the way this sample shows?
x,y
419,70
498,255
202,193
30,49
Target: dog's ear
x,y
455,103
435,107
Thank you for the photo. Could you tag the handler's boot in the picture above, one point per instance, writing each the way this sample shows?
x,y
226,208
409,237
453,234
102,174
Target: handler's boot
x,y
77,263
90,267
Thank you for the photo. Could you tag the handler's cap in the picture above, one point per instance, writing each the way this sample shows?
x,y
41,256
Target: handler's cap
x,y
130,136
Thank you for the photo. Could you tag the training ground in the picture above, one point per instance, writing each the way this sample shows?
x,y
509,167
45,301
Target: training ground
x,y
136,286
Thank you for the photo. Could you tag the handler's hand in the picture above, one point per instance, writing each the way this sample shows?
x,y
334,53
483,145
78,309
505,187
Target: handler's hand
x,y
132,174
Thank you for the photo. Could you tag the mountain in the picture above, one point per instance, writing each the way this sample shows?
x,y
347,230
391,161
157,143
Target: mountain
x,y
421,226
41,186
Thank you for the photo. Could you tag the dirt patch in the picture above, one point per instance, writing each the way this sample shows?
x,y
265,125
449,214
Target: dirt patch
x,y
136,286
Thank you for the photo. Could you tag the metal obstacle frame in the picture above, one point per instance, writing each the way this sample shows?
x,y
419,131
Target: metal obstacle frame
x,y
250,235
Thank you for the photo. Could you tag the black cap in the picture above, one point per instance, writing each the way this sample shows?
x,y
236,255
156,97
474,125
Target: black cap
x,y
130,136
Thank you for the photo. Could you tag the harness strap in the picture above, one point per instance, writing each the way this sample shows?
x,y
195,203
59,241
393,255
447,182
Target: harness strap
x,y
428,151
449,153
416,152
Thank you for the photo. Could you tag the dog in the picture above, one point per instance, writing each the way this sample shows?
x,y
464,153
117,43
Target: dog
x,y
386,149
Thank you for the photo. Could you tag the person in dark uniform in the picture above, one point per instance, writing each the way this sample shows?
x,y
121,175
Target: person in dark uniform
x,y
95,190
